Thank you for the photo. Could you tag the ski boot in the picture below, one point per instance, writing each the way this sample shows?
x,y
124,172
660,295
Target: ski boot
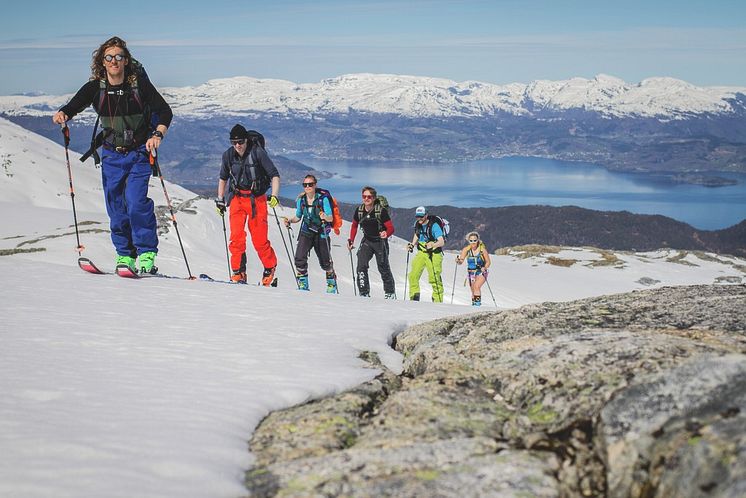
x,y
302,282
268,277
476,301
390,295
147,263
331,283
415,297
238,277
126,261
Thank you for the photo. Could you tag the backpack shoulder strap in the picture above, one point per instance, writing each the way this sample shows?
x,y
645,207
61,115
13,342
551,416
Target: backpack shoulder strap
x,y
133,81
101,93
377,208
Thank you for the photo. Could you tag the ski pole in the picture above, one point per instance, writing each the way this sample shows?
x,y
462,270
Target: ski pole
x,y
352,267
329,241
287,251
491,294
66,135
453,289
157,172
436,278
406,275
225,237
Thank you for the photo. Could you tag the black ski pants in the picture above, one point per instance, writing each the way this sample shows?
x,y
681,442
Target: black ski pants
x,y
366,251
320,245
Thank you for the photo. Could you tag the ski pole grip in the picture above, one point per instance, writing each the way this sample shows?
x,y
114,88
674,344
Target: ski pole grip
x,y
66,133
154,162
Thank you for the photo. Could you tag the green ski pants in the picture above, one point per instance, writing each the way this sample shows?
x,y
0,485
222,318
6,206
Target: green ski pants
x,y
433,263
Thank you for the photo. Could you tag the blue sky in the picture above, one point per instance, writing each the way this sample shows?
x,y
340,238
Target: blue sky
x,y
46,45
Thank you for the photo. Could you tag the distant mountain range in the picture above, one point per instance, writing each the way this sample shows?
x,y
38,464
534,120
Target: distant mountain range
x,y
660,125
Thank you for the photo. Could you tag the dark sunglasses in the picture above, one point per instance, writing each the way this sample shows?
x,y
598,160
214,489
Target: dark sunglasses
x,y
367,196
309,184
240,141
109,57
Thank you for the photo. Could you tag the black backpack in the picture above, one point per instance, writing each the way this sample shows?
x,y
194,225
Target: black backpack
x,y
258,178
379,205
150,119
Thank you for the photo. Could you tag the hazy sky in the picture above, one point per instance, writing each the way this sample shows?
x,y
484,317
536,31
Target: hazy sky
x,y
46,45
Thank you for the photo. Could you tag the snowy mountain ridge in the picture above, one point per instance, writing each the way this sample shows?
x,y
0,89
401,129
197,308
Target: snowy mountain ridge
x,y
662,98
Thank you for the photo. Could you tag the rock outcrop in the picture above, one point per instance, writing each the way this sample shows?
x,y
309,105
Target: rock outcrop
x,y
640,394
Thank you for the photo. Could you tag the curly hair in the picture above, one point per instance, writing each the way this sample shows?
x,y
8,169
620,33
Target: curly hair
x,y
98,72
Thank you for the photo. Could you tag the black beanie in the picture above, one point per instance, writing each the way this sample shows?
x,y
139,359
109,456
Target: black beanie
x,y
238,132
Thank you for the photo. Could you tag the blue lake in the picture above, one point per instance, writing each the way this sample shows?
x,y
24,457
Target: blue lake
x,y
525,180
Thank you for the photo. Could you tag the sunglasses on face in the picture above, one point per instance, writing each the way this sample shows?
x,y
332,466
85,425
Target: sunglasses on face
x,y
241,141
367,196
118,57
473,241
311,184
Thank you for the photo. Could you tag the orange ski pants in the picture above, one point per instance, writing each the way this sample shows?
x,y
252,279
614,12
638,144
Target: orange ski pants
x,y
254,211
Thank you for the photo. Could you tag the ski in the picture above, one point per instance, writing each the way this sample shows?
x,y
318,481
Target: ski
x,y
207,278
87,265
126,272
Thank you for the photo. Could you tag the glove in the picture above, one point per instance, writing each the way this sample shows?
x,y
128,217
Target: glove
x,y
410,247
458,260
272,201
220,206
349,245
286,222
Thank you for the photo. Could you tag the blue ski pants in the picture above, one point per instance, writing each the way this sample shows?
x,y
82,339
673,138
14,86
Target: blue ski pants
x,y
131,213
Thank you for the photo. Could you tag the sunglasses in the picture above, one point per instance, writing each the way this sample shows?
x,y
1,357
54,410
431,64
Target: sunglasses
x,y
473,241
118,57
367,196
309,184
238,142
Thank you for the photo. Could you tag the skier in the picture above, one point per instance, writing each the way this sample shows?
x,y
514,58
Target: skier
x,y
373,216
314,208
134,118
429,238
477,263
247,172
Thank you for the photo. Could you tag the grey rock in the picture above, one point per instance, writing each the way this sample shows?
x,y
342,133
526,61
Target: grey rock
x,y
639,394
693,415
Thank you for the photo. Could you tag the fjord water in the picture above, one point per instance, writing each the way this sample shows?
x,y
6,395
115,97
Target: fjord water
x,y
520,181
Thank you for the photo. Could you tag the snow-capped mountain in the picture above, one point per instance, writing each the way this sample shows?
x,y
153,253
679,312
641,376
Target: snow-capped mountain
x,y
423,97
660,125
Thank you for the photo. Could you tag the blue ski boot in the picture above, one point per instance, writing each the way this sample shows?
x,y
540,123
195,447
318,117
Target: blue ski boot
x,y
331,283
302,282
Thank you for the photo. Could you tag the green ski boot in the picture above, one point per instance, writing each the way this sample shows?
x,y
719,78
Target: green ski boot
x,y
147,263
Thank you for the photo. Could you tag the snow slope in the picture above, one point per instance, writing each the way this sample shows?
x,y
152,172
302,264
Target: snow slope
x,y
114,387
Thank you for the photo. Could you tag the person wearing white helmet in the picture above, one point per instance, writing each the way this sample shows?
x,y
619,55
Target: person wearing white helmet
x,y
429,238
